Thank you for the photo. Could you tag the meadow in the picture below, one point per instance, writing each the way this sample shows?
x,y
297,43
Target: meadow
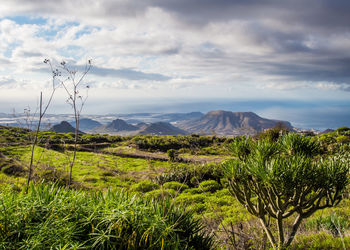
x,y
156,192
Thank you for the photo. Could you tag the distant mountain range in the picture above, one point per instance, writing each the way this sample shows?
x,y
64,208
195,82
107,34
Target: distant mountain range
x,y
230,123
121,127
223,123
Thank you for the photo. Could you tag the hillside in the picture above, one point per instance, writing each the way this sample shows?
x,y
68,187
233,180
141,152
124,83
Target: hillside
x,y
230,123
87,124
140,166
64,127
117,125
162,128
121,127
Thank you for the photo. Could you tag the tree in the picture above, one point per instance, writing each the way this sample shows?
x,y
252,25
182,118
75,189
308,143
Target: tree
x,y
274,183
72,85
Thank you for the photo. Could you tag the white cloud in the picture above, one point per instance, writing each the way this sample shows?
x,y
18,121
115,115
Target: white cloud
x,y
306,85
156,46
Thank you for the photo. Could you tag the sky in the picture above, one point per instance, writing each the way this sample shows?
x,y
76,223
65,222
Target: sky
x,y
282,59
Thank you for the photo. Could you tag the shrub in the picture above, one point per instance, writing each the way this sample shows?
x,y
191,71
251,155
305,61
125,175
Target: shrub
x,y
342,129
161,194
241,147
342,139
172,155
13,169
320,240
194,202
274,133
187,199
193,191
178,174
222,192
221,201
295,144
209,186
191,175
144,186
177,186
335,224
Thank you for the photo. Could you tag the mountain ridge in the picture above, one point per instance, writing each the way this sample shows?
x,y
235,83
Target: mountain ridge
x,y
218,122
229,123
162,128
64,127
118,125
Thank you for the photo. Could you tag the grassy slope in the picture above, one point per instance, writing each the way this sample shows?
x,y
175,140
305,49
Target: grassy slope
x,y
101,171
93,169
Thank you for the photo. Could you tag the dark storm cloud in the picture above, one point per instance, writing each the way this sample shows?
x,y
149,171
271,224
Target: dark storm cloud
x,y
315,20
322,13
309,72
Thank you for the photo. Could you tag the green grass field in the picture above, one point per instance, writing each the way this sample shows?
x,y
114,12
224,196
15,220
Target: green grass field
x,y
198,186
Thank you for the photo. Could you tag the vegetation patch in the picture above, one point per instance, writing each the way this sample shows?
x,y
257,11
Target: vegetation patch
x,y
51,217
196,183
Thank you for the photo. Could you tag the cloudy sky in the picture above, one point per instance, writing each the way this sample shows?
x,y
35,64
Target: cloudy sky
x,y
280,57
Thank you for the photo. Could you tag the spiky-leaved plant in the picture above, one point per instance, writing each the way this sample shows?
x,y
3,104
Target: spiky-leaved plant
x,y
50,217
279,180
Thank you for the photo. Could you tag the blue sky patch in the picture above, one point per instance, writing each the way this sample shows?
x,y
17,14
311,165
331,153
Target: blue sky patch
x,y
28,20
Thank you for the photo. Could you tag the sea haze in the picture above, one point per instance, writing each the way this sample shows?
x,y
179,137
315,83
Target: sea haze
x,y
319,115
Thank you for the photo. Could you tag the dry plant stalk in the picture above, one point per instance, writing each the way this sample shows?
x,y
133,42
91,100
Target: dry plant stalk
x,y
42,111
71,85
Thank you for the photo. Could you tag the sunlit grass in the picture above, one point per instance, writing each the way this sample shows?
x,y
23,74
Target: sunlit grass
x,y
93,170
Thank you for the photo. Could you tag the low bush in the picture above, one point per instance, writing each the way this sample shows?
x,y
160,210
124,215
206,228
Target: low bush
x,y
320,241
177,186
194,202
193,191
176,173
333,223
172,155
209,186
342,139
342,129
12,169
144,186
192,175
